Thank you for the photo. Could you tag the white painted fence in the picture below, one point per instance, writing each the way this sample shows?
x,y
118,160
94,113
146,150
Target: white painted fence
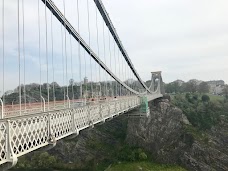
x,y
22,134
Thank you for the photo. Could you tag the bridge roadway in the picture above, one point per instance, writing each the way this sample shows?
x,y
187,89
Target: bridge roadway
x,y
20,135
38,107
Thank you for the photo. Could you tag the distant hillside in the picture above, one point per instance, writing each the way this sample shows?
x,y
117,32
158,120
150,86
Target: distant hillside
x,y
179,86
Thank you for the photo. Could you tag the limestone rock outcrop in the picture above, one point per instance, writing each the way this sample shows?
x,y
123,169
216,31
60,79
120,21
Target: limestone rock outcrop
x,y
170,138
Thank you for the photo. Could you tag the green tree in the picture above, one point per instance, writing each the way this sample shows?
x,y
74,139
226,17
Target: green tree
x,y
173,87
205,98
190,87
203,87
188,96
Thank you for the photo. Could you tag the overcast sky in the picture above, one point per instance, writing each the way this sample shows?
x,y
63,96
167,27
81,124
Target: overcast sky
x,y
183,38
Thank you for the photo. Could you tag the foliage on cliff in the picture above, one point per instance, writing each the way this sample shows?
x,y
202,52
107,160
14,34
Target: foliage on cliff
x,y
143,166
203,111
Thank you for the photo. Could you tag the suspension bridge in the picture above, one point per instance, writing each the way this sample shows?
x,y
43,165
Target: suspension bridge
x,y
63,69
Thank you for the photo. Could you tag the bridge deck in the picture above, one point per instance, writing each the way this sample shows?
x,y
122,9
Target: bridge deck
x,y
22,134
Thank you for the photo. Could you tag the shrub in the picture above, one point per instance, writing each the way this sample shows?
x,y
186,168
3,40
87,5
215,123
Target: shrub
x,y
205,98
142,156
43,161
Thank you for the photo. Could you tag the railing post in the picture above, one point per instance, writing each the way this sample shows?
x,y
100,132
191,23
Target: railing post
x,y
74,129
73,122
10,156
88,113
109,108
2,109
89,116
54,102
44,107
7,140
12,104
51,140
128,103
100,111
68,101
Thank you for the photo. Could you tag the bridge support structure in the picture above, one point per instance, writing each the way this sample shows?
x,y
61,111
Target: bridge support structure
x,y
144,108
156,86
157,75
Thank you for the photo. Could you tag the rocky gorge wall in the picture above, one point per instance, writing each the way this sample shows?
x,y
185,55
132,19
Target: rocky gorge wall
x,y
170,138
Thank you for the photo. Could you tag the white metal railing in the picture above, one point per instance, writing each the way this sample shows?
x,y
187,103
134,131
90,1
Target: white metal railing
x,y
22,134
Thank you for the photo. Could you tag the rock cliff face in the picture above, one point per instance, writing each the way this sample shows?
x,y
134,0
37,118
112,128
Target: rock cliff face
x,y
169,137
93,146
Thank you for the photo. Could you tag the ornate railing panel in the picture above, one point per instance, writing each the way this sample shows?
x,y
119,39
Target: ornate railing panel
x,y
27,133
60,123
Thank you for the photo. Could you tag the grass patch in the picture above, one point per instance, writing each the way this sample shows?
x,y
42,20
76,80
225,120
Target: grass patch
x,y
212,96
144,166
215,97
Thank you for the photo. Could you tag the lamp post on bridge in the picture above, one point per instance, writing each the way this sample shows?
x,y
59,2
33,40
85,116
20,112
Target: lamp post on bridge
x,y
2,109
13,104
